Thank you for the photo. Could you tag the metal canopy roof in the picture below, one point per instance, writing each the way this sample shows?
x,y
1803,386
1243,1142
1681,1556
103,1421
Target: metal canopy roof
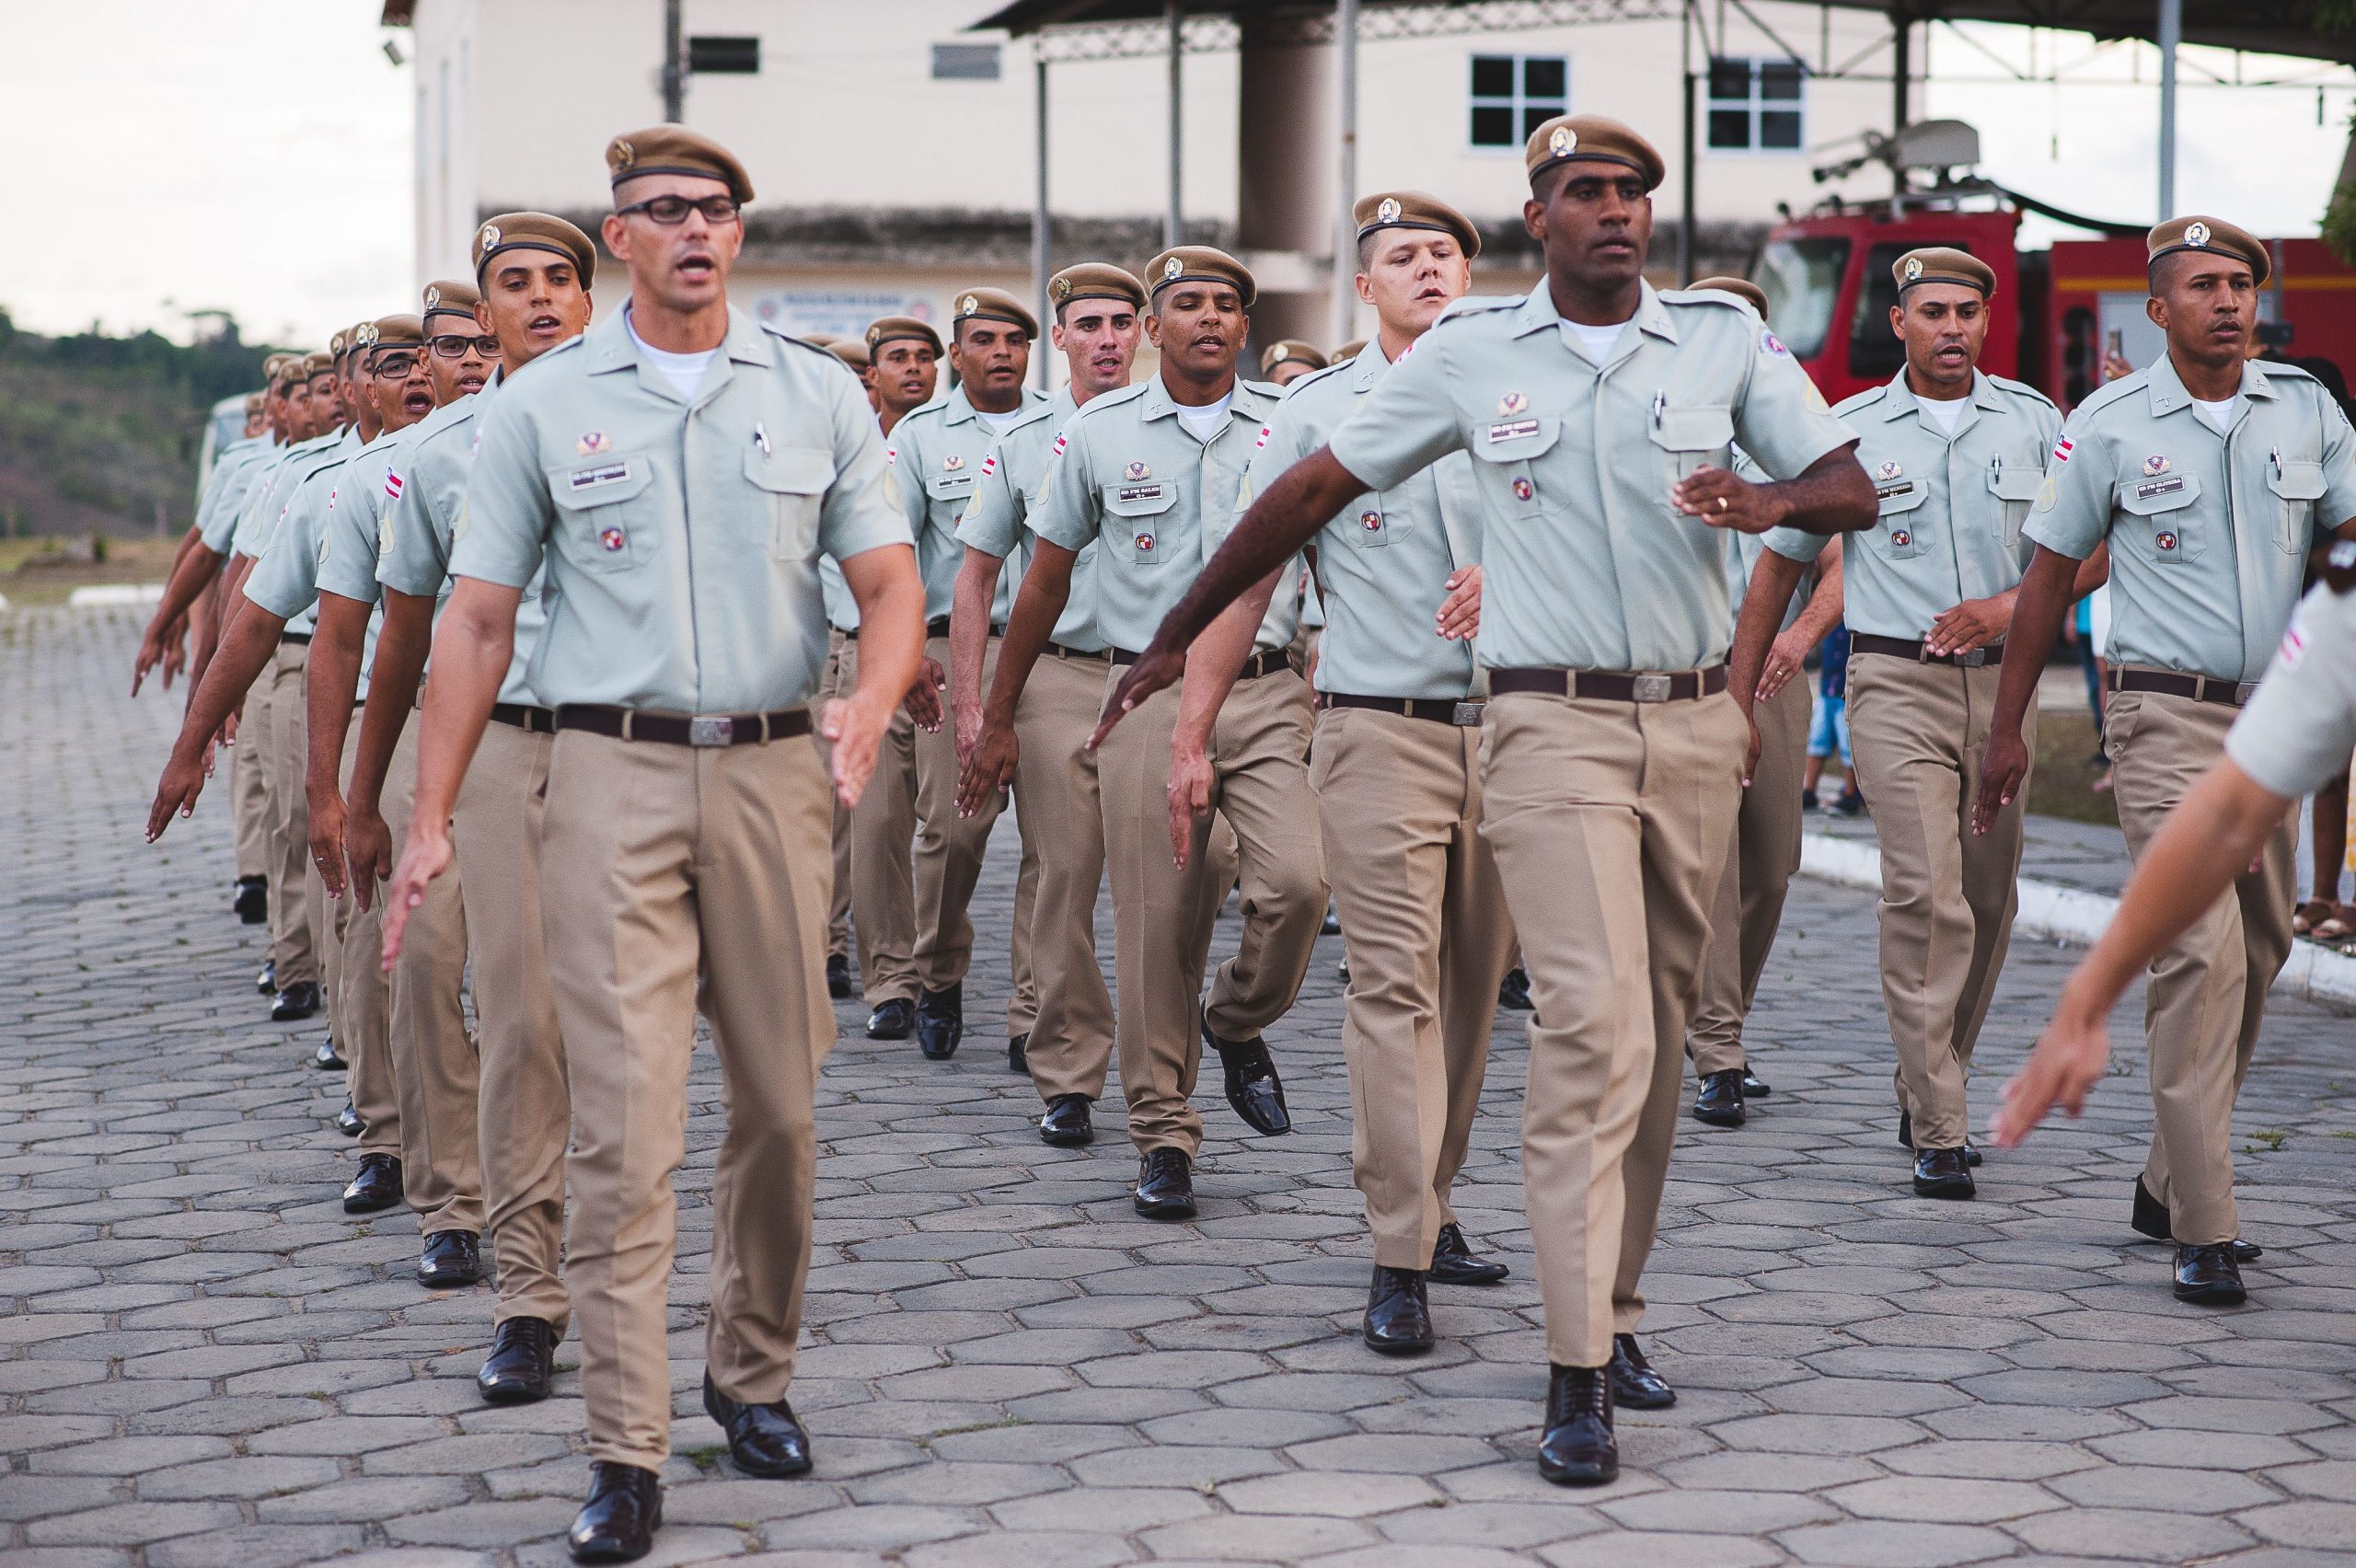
x,y
2271,27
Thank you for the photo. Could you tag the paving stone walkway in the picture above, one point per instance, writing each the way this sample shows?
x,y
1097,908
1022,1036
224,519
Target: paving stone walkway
x,y
204,1361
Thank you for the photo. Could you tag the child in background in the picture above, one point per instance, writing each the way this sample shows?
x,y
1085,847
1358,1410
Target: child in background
x,y
1829,729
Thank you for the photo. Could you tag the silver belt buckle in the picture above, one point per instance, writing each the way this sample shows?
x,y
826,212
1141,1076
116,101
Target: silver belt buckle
x,y
702,731
1651,689
2242,692
1972,659
1467,713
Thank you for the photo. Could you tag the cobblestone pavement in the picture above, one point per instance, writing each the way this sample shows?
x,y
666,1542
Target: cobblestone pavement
x,y
204,1361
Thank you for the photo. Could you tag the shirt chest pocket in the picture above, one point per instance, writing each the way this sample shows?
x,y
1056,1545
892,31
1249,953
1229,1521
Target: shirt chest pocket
x,y
607,526
793,480
1139,512
1900,504
1690,439
1374,526
2167,529
1508,449
2297,486
948,492
2014,485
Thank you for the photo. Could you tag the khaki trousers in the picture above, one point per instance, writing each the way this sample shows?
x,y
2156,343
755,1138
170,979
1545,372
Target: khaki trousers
x,y
882,888
360,998
249,780
1424,923
294,951
1599,812
1920,732
1163,915
833,684
1749,903
675,878
527,1108
949,847
1071,1033
2206,993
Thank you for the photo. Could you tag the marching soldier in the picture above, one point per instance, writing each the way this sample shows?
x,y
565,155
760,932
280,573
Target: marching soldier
x,y
678,471
2207,477
1612,754
1151,473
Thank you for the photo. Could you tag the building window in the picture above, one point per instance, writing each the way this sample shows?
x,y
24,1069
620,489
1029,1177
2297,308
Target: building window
x,y
710,56
1515,94
1755,105
965,62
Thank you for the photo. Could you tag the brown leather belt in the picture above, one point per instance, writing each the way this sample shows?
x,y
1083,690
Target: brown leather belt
x,y
1903,648
298,638
531,720
1253,668
2174,683
681,730
1613,685
937,626
1102,656
1439,709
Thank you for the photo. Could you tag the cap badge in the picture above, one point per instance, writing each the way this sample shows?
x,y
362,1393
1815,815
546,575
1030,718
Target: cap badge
x,y
1388,212
1371,521
1139,469
1172,268
1513,403
875,336
490,240
1914,269
611,538
968,306
2196,233
432,297
592,441
2155,464
364,334
1563,142
1522,491
954,462
1890,469
622,155
1060,289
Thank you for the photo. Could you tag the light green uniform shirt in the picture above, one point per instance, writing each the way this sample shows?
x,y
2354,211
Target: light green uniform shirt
x,y
285,578
353,522
2208,534
997,520
681,537
1135,478
936,452
1586,564
1383,560
1951,507
275,490
2299,729
224,490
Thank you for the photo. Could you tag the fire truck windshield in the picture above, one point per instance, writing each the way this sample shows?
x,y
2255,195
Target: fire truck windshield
x,y
1801,277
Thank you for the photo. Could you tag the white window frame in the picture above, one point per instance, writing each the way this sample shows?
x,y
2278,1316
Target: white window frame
x,y
1754,105
1519,102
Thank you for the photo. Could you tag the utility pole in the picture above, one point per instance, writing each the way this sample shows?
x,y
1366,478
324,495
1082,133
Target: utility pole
x,y
1174,222
674,64
2171,30
1343,314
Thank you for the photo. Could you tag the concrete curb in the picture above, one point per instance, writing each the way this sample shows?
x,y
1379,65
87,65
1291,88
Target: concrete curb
x,y
111,593
2315,973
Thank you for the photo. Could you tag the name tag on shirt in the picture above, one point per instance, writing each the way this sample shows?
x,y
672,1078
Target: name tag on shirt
x,y
2159,487
1512,429
1903,487
583,480
1140,492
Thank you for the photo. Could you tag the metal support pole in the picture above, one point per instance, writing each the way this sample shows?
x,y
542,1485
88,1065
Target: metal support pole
x,y
2171,34
1343,314
675,65
1173,221
1039,255
1687,231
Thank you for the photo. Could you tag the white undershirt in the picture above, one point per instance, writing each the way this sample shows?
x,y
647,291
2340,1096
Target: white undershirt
x,y
682,371
2219,414
1947,413
997,423
1595,342
1205,420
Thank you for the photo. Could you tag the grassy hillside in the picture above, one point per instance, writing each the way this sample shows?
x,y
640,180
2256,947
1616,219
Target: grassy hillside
x,y
96,432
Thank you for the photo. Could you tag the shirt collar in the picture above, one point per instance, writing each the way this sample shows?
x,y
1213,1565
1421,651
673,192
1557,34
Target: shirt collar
x,y
2168,393
1368,367
1902,399
1537,313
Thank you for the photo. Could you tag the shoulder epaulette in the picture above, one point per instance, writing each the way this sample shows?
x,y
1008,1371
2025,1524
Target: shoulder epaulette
x,y
1104,400
2023,389
1298,382
1864,400
1707,296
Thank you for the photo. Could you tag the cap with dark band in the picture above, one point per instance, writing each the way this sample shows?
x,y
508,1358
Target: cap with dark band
x,y
885,328
1200,264
819,340
1412,209
338,342
1095,280
317,364
1590,138
852,352
1350,349
1944,264
1743,289
1291,350
992,304
674,149
452,298
534,231
2214,235
398,332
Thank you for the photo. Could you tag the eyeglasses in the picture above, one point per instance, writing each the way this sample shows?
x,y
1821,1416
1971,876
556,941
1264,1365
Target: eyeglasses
x,y
672,210
454,345
395,367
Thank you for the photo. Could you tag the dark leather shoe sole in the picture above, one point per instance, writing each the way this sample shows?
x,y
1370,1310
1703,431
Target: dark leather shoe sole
x,y
1717,1116
1473,1272
1629,1393
292,1009
890,1029
608,1549
370,1201
2224,1293
1067,1137
766,1470
1163,1208
1601,1470
1943,1186
1386,1345
511,1391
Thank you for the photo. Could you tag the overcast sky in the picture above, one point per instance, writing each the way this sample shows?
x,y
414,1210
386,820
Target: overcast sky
x,y
165,155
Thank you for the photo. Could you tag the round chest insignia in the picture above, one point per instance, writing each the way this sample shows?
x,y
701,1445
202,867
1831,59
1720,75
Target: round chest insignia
x,y
2166,540
1900,537
1521,490
1371,521
1145,543
611,538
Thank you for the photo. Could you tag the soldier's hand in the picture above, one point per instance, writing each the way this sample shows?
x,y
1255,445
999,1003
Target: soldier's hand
x,y
1786,658
1975,623
1189,796
177,791
1156,667
991,768
325,813
2001,772
923,701
2069,1059
1459,613
151,654
967,718
1721,501
368,847
175,654
427,856
856,729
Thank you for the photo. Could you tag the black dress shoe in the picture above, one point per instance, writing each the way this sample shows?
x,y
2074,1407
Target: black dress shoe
x,y
2208,1276
377,1186
1332,924
296,1003
763,1439
1165,1185
1719,1101
1941,1173
1398,1312
1906,1140
1635,1384
1018,1052
891,1019
840,986
348,1122
2149,1217
618,1522
1751,1087
1067,1123
522,1360
1453,1262
1513,991
326,1058
267,981
940,1023
451,1259
1253,1086
1577,1448
251,903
